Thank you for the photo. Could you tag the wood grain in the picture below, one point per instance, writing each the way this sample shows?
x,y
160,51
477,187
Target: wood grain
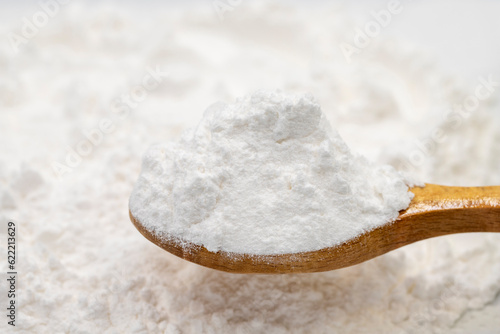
x,y
435,211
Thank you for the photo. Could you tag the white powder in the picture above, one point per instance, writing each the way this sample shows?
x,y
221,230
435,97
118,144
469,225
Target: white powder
x,y
84,268
265,175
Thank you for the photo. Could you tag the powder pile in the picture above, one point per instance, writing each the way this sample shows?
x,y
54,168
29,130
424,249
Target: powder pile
x,y
84,268
265,175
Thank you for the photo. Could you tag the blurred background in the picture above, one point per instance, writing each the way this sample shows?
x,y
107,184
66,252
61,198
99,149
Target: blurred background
x,y
79,57
87,86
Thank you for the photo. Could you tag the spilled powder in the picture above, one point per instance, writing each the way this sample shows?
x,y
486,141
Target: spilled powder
x,y
264,175
84,268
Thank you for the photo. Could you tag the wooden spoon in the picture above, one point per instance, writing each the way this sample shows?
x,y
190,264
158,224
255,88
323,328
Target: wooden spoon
x,y
435,211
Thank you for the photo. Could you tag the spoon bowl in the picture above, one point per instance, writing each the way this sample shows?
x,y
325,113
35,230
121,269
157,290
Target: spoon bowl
x,y
434,211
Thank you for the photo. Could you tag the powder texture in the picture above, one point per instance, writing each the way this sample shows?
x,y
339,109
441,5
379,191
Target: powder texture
x,y
84,268
265,175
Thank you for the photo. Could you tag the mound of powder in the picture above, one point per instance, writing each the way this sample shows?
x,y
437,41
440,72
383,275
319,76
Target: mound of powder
x,y
265,175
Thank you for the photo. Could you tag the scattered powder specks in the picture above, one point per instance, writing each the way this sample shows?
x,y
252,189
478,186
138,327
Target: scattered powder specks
x,y
84,268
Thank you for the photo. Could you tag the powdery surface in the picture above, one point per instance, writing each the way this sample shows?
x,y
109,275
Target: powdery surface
x,y
85,269
265,175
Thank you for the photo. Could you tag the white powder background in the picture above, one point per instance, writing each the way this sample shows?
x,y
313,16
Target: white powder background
x,y
83,266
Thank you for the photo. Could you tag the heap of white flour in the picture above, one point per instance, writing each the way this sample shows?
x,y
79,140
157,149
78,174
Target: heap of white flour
x,y
265,175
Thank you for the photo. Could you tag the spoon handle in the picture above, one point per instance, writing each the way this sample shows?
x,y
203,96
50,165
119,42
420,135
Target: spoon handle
x,y
440,210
